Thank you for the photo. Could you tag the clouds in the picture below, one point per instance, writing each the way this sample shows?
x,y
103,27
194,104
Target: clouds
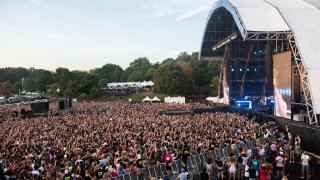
x,y
94,32
190,14
175,9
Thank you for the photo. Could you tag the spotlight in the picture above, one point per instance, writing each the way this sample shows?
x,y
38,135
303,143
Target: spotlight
x,y
248,70
255,69
240,69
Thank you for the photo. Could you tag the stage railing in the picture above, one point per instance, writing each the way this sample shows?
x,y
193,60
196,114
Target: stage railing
x,y
193,162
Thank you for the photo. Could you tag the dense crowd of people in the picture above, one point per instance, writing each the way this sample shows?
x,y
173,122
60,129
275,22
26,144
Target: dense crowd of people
x,y
103,140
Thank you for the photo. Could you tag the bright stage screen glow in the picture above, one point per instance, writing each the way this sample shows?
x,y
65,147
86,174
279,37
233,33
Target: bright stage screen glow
x,y
282,84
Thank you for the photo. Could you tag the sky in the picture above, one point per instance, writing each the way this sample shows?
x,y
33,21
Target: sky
x,y
86,34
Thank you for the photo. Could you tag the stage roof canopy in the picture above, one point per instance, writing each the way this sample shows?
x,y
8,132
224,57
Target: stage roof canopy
x,y
299,17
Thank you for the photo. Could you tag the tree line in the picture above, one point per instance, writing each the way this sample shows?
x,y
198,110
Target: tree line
x,y
185,75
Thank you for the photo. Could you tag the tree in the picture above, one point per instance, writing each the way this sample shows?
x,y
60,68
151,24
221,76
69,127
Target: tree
x,y
171,79
62,76
71,90
29,85
110,72
45,78
137,69
215,85
184,56
149,74
85,81
13,75
103,83
95,92
6,89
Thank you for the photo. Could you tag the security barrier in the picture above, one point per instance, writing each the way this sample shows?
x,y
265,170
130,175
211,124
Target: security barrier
x,y
194,162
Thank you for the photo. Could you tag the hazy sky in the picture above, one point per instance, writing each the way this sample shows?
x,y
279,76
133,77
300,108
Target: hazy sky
x,y
84,34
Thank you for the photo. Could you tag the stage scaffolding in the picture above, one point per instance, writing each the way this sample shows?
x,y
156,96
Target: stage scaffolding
x,y
224,41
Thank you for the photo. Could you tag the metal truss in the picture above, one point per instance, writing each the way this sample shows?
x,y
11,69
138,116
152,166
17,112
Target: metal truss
x,y
272,36
311,114
225,41
217,58
246,65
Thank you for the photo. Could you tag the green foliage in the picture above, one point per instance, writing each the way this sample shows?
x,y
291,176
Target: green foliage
x,y
45,78
29,85
62,76
171,79
103,83
83,96
215,85
110,72
72,90
95,92
184,75
137,70
184,56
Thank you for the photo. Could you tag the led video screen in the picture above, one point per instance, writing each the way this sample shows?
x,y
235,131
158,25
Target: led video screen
x,y
282,84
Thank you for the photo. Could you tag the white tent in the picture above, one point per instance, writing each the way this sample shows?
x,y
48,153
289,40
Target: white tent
x,y
176,100
146,99
147,83
213,99
155,99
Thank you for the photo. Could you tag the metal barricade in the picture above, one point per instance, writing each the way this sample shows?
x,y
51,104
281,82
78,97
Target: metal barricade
x,y
126,177
152,172
134,176
198,160
120,177
178,165
158,171
193,162
218,156
146,173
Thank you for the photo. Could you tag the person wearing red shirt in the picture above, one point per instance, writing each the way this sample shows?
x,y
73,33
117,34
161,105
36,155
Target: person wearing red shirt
x,y
263,171
167,157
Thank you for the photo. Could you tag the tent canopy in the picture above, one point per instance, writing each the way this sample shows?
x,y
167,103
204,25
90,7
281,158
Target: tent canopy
x,y
155,99
146,99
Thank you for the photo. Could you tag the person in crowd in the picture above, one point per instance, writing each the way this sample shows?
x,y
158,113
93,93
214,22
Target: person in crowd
x,y
305,159
263,171
252,172
280,164
240,168
183,175
232,168
204,175
220,168
111,138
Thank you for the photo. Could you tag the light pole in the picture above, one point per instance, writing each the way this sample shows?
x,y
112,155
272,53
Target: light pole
x,y
22,79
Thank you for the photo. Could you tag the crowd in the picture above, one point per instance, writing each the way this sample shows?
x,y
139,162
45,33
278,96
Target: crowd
x,y
104,140
274,159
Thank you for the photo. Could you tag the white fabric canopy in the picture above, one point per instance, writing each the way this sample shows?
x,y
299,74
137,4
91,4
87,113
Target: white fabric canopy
x,y
155,99
146,99
304,21
177,100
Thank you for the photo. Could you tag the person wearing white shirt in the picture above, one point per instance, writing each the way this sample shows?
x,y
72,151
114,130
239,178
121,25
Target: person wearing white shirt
x,y
183,175
305,158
